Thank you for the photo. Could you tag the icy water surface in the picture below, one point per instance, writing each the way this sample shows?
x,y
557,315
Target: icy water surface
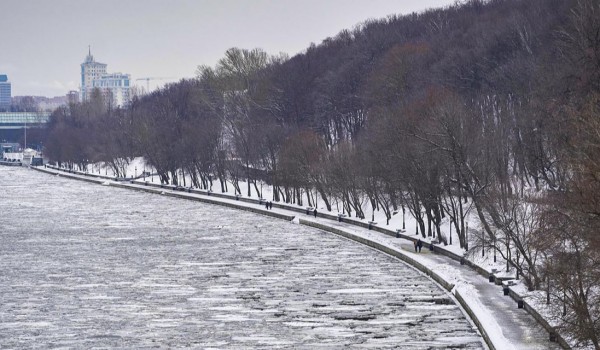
x,y
85,266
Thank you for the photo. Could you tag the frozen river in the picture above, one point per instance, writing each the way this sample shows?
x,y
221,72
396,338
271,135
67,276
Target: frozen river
x,y
85,266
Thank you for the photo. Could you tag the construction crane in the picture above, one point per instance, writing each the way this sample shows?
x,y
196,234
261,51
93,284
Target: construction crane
x,y
153,78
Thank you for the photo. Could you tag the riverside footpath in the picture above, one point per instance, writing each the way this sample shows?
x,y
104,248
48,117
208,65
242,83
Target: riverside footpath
x,y
504,317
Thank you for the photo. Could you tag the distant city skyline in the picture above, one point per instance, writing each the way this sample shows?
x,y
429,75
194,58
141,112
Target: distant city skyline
x,y
45,41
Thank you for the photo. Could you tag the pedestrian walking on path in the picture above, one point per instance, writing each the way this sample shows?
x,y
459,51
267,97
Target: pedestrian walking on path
x,y
419,245
415,244
315,212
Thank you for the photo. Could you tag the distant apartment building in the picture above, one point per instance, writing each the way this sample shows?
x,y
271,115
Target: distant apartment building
x,y
114,86
72,97
5,92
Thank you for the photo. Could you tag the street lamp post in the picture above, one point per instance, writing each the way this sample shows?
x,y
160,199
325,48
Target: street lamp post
x,y
517,263
25,146
450,232
403,215
548,282
467,238
507,252
482,244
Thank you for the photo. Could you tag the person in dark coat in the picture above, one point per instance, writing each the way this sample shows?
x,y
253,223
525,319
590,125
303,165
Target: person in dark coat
x,y
419,245
315,212
267,205
270,205
415,244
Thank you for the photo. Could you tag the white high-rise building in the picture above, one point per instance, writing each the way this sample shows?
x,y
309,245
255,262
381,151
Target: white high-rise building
x,y
5,92
115,86
90,71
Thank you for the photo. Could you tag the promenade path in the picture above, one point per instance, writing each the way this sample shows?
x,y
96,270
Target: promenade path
x,y
507,326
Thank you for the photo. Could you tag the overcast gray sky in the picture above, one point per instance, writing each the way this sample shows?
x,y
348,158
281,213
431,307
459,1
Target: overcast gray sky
x,y
44,41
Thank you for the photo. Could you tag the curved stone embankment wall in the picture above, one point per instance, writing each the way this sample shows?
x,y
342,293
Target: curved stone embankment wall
x,y
226,200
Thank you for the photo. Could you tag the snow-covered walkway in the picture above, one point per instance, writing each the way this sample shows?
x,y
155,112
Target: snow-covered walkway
x,y
505,325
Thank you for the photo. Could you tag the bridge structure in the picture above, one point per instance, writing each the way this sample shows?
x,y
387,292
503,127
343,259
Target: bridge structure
x,y
14,127
22,120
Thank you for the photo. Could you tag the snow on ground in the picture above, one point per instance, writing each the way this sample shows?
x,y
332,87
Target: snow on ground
x,y
93,266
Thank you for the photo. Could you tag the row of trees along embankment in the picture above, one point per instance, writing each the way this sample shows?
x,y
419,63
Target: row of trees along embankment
x,y
487,108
